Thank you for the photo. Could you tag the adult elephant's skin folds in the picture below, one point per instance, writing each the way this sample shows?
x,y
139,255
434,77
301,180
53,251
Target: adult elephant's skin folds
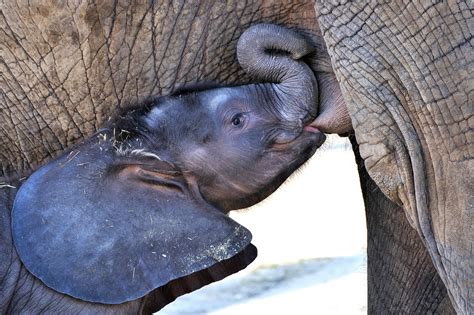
x,y
406,73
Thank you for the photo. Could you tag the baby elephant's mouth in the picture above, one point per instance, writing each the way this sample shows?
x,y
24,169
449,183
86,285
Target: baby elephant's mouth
x,y
309,138
311,129
306,143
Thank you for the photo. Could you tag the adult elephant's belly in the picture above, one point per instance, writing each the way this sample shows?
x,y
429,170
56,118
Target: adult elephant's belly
x,y
66,70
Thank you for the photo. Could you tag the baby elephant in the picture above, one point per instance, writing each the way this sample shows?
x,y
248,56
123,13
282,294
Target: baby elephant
x,y
143,201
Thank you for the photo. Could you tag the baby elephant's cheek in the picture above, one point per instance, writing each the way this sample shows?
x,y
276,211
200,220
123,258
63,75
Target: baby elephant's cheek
x,y
196,157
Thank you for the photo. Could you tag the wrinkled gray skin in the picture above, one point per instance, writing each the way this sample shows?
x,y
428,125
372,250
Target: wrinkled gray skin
x,y
404,72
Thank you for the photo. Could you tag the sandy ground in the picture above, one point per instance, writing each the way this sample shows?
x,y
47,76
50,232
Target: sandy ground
x,y
311,239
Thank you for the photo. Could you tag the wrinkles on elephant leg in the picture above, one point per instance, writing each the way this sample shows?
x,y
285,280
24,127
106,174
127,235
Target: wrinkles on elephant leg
x,y
401,275
402,70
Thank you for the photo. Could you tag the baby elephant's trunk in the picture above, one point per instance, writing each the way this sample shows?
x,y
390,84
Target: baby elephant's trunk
x,y
273,54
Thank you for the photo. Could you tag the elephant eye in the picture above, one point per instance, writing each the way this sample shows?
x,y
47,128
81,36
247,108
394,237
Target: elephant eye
x,y
237,119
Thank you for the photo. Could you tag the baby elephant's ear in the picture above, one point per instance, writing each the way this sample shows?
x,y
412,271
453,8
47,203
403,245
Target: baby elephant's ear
x,y
103,230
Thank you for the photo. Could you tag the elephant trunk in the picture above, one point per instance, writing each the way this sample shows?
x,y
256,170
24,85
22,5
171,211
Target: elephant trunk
x,y
273,54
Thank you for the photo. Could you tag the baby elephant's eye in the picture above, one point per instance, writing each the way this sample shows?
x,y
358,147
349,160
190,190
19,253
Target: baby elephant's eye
x,y
237,119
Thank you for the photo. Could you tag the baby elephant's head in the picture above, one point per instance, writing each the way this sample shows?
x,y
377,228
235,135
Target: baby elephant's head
x,y
232,144
238,144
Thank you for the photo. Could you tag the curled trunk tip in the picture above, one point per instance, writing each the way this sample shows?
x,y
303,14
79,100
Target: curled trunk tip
x,y
273,54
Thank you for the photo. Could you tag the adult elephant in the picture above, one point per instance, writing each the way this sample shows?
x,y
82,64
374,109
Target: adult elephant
x,y
67,67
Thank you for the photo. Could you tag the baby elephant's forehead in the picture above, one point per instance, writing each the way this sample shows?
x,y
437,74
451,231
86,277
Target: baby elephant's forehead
x,y
164,110
215,99
154,115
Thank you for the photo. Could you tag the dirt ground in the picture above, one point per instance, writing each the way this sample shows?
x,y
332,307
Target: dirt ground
x,y
311,239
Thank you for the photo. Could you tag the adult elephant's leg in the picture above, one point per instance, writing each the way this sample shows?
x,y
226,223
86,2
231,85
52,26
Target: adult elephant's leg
x,y
401,275
405,73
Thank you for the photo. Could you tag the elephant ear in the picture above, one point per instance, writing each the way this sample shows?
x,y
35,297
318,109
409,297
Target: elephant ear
x,y
106,228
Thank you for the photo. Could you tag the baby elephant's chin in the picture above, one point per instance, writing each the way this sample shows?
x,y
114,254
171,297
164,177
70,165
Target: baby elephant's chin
x,y
303,147
297,153
311,129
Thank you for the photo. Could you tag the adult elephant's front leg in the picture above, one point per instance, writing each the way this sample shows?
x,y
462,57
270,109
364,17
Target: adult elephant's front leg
x,y
401,277
405,73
